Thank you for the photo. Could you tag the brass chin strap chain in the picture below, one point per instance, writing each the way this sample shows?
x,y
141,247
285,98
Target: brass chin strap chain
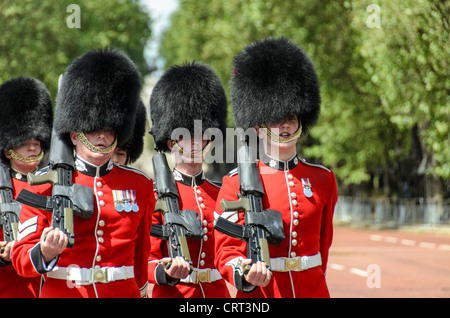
x,y
280,139
182,152
93,148
19,157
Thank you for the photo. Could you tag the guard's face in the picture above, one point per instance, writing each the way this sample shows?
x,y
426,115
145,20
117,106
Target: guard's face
x,y
280,137
286,127
100,139
189,150
119,157
192,145
30,149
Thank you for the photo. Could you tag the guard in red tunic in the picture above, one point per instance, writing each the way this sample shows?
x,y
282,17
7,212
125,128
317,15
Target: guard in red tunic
x,y
25,129
275,91
95,111
190,98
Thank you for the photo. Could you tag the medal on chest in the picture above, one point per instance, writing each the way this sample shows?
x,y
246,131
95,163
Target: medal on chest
x,y
307,187
125,200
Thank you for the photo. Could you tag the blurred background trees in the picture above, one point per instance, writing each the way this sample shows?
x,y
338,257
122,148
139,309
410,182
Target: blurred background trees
x,y
384,124
35,39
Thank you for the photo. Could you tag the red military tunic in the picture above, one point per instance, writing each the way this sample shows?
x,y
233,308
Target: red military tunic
x,y
198,194
113,242
305,194
11,284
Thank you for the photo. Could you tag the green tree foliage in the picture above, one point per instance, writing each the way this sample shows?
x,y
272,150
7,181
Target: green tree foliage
x,y
35,39
385,90
407,61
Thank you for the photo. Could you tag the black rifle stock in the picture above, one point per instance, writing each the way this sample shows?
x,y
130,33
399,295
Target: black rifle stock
x,y
9,208
262,227
178,225
68,199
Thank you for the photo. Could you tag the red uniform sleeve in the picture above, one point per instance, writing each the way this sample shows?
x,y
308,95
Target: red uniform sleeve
x,y
156,253
26,257
326,230
142,245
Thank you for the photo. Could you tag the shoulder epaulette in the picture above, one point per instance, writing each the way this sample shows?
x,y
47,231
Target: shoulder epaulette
x,y
133,170
232,172
314,165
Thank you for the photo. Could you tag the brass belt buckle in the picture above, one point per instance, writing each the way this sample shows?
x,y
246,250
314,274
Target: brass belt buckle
x,y
292,264
203,277
100,275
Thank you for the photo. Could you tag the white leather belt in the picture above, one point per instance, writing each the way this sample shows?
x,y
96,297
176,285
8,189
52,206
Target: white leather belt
x,y
297,264
205,275
87,276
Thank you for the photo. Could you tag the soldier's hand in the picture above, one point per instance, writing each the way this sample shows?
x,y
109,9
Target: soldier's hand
x,y
6,250
179,268
258,275
53,242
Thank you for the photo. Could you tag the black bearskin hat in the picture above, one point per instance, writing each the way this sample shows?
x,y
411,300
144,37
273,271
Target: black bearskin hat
x,y
273,79
185,93
26,113
99,90
135,145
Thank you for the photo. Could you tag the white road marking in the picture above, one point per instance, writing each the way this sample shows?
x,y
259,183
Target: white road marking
x,y
427,244
337,267
359,272
408,242
390,239
377,238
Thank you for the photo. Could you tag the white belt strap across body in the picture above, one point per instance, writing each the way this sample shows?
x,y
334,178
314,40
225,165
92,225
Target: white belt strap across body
x,y
205,275
297,264
87,276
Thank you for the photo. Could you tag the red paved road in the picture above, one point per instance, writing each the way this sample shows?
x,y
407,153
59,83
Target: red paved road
x,y
370,263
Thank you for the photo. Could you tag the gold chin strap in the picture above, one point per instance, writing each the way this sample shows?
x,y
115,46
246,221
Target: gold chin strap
x,y
93,148
280,139
21,158
198,154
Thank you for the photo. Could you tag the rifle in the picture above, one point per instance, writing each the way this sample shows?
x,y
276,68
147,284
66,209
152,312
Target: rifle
x,y
262,227
178,225
9,208
68,199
